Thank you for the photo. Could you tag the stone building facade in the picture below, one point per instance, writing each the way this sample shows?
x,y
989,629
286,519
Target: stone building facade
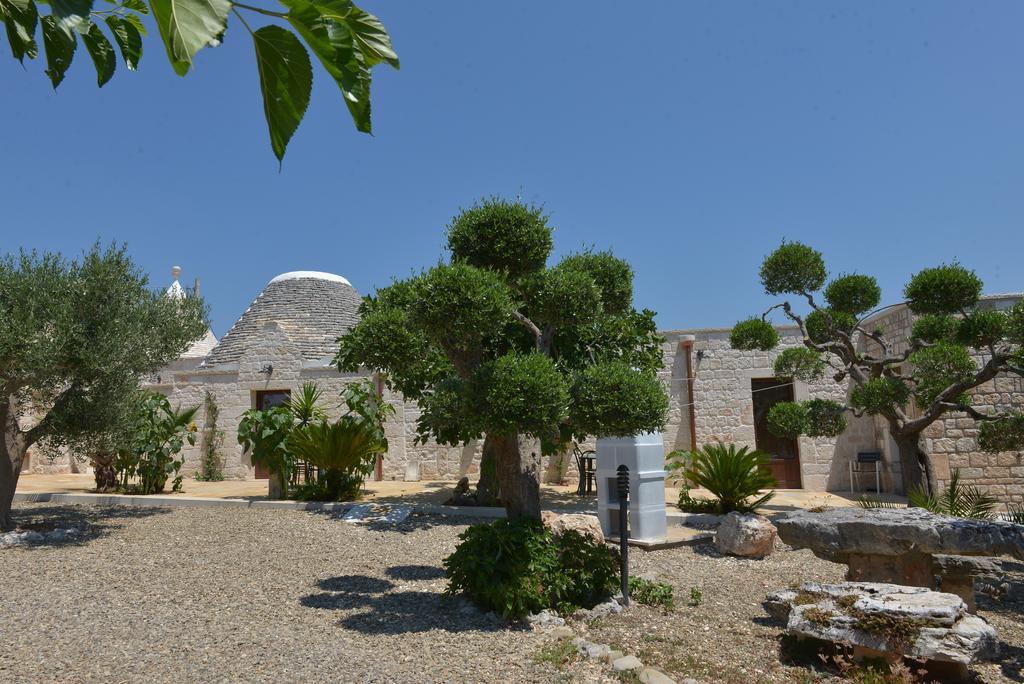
x,y
288,334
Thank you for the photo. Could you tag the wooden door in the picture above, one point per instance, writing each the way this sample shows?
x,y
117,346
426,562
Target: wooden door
x,y
268,399
785,452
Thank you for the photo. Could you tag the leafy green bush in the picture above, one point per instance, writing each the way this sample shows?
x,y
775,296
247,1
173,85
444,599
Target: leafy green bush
x,y
793,267
689,504
854,294
613,399
822,324
753,334
800,363
159,432
944,289
734,476
517,567
650,593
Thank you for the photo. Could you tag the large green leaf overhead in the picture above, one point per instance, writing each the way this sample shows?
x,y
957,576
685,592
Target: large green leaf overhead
x,y
102,53
128,40
60,49
187,26
20,19
347,41
286,79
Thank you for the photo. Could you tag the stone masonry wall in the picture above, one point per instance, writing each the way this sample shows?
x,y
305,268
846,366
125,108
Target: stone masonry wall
x,y
723,407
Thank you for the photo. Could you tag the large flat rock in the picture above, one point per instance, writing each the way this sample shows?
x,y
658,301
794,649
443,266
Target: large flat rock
x,y
911,622
837,533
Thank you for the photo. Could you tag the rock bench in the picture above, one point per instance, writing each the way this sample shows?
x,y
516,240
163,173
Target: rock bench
x,y
907,546
888,621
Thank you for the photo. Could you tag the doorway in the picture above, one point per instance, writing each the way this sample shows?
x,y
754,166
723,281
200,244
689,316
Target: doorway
x,y
784,452
268,399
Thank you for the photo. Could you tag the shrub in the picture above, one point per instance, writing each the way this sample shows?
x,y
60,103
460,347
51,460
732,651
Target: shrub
x,y
793,267
517,567
651,593
612,399
688,504
945,289
158,436
734,476
753,333
854,294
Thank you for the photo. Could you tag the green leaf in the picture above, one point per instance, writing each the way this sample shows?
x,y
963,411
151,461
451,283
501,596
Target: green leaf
x,y
128,40
137,5
71,13
369,33
286,79
20,19
187,26
336,49
135,21
102,53
60,49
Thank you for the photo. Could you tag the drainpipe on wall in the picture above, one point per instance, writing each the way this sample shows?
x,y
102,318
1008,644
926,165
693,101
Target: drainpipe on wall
x,y
686,343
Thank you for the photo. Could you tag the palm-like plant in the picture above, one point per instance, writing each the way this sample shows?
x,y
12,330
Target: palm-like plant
x,y
343,451
957,500
305,405
735,476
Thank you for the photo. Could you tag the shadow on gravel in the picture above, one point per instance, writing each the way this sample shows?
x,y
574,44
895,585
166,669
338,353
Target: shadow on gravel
x,y
415,572
1011,661
356,584
375,611
86,523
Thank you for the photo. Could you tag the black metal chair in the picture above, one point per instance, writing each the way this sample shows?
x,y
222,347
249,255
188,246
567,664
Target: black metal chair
x,y
586,464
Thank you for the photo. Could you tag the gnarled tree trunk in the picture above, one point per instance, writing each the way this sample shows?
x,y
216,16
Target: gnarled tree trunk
x,y
12,454
913,463
103,472
487,490
518,477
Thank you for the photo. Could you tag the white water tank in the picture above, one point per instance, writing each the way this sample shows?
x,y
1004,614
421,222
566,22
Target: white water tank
x,y
644,455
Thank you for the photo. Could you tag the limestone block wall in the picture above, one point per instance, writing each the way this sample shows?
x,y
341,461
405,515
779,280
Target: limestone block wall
x,y
723,406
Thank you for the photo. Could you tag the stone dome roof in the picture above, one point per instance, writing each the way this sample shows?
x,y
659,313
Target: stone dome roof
x,y
312,308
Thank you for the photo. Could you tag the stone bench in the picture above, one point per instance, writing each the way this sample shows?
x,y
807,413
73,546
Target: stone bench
x,y
907,546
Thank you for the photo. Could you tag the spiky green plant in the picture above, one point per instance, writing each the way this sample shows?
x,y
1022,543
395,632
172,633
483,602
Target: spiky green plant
x,y
734,476
343,451
1014,513
958,500
305,405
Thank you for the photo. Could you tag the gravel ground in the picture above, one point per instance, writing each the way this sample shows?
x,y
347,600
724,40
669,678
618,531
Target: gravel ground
x,y
208,594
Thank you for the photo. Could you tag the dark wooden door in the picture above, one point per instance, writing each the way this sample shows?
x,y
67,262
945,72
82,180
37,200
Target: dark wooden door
x,y
268,399
785,453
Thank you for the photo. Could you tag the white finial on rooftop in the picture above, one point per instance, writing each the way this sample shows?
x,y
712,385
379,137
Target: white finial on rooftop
x,y
175,290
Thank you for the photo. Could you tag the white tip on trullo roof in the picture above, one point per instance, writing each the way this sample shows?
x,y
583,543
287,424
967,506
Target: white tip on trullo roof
x,y
319,275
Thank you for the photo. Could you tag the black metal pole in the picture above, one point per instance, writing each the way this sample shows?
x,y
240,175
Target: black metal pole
x,y
622,478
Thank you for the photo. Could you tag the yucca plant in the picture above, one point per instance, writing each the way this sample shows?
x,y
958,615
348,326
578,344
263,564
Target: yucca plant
x,y
957,500
305,405
735,476
343,451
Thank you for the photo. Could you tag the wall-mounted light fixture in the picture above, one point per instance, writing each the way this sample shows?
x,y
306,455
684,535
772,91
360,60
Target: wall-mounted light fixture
x,y
267,369
703,354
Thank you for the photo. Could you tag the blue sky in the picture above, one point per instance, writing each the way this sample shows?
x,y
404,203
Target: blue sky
x,y
688,137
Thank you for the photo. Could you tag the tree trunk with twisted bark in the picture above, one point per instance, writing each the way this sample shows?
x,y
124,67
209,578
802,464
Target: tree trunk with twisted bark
x,y
13,447
913,463
518,477
104,473
487,490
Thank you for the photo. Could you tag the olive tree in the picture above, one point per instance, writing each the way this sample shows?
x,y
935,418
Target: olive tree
x,y
76,337
347,42
910,381
499,345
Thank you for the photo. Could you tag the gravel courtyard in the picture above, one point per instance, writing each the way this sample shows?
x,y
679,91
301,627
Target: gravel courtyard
x,y
209,594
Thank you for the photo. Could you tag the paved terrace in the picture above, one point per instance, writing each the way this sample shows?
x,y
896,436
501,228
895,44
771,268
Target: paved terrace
x,y
556,498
